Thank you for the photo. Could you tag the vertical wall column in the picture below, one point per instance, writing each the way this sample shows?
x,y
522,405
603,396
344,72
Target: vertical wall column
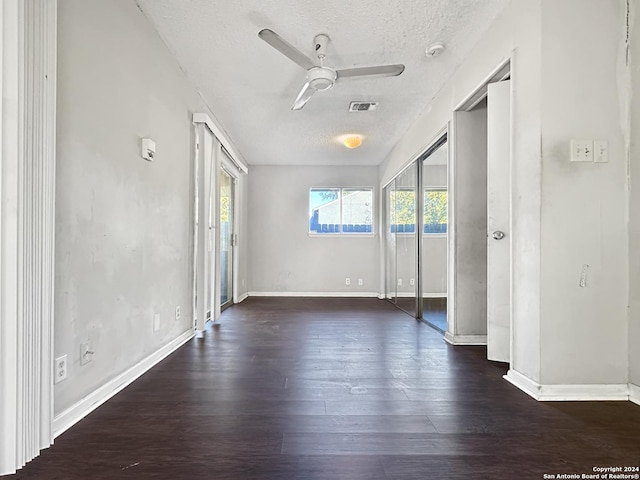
x,y
27,229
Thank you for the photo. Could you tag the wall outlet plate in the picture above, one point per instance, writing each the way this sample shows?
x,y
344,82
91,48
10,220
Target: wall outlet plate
x,y
582,150
156,322
177,312
60,369
360,282
347,281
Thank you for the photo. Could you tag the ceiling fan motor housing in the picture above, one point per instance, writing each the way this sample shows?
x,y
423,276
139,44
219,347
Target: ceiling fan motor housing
x,y
321,78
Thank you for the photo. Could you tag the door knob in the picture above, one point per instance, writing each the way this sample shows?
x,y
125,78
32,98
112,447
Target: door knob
x,y
498,235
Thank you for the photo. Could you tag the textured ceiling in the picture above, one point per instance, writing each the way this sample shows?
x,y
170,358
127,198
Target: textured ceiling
x,y
250,87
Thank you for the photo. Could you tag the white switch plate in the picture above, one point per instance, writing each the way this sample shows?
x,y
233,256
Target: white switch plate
x,y
156,322
360,282
60,369
600,151
412,282
582,150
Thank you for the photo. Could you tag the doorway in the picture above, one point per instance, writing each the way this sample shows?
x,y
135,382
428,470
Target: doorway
x,y
481,250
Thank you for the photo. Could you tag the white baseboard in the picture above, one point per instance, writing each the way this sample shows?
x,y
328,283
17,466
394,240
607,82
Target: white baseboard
x,y
569,393
424,295
314,294
243,297
634,393
88,404
524,383
465,339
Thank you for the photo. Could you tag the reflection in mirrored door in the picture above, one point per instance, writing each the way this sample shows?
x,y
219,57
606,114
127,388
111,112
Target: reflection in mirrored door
x,y
226,238
416,237
401,240
390,243
434,261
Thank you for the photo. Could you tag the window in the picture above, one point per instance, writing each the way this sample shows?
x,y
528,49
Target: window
x,y
341,211
403,211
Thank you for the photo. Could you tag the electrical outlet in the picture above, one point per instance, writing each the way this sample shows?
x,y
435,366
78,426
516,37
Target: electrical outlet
x,y
399,282
347,281
60,369
582,150
178,312
86,353
156,322
360,281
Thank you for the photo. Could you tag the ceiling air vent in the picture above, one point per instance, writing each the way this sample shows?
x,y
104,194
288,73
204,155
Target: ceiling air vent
x,y
362,106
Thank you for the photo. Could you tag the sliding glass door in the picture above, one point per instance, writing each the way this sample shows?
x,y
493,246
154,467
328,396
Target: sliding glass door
x,y
226,238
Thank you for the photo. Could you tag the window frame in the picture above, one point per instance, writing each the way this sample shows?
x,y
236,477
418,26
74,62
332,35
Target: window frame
x,y
340,233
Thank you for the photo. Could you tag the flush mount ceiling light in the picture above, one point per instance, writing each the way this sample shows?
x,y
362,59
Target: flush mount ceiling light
x,y
352,141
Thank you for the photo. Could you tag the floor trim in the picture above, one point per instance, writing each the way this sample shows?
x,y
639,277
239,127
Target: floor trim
x,y
243,297
465,339
88,404
634,393
314,294
569,393
524,383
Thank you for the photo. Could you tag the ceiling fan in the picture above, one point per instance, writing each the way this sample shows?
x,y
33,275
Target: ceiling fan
x,y
320,77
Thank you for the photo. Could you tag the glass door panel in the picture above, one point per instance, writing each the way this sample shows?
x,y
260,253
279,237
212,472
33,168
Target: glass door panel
x,y
226,239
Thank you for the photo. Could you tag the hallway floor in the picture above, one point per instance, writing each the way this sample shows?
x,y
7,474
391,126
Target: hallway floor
x,y
302,388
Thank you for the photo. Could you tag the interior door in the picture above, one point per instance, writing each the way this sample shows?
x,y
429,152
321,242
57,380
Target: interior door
x,y
498,222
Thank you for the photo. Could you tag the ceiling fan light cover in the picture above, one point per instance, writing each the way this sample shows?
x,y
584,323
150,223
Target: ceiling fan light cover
x,y
321,78
353,141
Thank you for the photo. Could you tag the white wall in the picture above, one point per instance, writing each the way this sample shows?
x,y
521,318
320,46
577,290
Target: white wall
x,y
567,68
634,202
584,330
516,34
123,233
283,258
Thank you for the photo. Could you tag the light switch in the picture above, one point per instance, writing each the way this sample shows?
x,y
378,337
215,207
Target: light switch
x,y
601,151
582,150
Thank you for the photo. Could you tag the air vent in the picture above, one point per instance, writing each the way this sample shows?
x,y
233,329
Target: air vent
x,y
362,106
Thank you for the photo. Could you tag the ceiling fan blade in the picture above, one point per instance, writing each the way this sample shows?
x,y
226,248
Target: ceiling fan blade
x,y
303,97
284,47
379,71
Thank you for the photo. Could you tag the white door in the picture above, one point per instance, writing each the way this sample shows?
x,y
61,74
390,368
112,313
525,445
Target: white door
x,y
498,222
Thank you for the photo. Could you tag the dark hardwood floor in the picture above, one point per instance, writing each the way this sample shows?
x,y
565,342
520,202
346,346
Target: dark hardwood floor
x,y
334,389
